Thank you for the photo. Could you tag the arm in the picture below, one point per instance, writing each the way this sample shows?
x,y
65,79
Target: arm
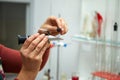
x,y
11,59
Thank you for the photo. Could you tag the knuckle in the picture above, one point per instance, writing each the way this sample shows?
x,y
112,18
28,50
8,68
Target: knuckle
x,y
36,51
45,39
38,47
28,40
33,43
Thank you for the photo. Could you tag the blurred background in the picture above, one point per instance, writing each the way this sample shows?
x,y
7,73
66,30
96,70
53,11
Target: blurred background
x,y
84,53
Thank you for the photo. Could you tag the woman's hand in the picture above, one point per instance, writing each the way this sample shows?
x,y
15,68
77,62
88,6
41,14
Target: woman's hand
x,y
52,23
32,53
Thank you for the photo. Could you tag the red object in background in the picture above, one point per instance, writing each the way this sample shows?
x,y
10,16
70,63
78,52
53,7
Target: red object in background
x,y
106,75
75,78
99,20
52,45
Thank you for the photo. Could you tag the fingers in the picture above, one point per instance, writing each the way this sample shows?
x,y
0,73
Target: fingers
x,y
33,51
48,27
51,18
58,22
51,30
53,23
42,51
41,45
29,40
64,27
35,42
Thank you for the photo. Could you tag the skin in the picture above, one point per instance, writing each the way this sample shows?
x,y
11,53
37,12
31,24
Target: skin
x,y
32,52
34,47
52,23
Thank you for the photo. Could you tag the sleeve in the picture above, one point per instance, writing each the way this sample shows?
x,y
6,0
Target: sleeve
x,y
11,59
12,62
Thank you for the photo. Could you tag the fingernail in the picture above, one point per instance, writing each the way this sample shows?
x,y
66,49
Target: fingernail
x,y
62,29
43,34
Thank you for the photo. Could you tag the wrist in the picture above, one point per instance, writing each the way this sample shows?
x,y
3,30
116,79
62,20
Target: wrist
x,y
27,75
31,70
